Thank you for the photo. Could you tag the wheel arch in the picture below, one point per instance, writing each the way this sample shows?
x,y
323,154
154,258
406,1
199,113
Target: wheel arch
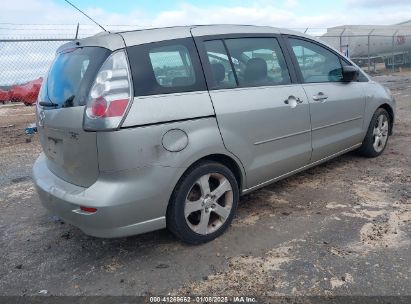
x,y
225,160
230,163
390,112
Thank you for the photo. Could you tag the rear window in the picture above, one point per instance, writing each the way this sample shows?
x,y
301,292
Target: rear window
x,y
72,75
166,67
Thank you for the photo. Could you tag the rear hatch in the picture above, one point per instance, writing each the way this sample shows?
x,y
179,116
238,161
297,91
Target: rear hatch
x,y
64,96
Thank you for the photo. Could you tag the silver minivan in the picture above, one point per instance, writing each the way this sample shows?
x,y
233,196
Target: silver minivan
x,y
148,129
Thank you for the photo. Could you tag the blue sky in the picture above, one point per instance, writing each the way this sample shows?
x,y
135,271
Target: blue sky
x,y
280,13
154,7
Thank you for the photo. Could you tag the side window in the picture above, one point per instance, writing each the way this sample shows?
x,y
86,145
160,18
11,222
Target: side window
x,y
166,67
220,67
258,61
172,66
317,64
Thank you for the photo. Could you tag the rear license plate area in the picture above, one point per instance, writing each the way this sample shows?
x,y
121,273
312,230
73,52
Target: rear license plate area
x,y
55,149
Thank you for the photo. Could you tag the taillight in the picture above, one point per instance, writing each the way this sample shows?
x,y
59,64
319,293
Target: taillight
x,y
110,94
88,209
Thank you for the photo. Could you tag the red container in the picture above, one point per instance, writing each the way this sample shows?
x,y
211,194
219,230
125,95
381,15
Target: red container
x,y
4,96
26,93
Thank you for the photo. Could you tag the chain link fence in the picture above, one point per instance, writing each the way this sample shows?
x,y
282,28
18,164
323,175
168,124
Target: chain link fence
x,y
26,51
377,49
24,62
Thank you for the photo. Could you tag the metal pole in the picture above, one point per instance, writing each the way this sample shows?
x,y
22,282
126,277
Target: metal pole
x,y
393,55
35,39
306,30
369,58
78,26
303,53
341,38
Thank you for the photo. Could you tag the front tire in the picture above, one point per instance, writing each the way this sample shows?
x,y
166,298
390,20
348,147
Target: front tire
x,y
203,203
377,135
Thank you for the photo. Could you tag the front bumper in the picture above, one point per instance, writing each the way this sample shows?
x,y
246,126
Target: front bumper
x,y
128,202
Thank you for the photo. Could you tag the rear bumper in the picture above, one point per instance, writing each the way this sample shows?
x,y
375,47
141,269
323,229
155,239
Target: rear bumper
x,y
128,202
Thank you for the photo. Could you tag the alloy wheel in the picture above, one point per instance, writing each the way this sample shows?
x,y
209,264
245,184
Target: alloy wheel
x,y
208,203
380,133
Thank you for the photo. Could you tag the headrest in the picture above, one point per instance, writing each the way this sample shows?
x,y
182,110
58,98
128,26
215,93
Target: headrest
x,y
255,70
218,71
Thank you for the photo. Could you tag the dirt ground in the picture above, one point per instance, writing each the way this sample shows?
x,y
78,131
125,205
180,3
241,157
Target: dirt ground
x,y
14,117
341,228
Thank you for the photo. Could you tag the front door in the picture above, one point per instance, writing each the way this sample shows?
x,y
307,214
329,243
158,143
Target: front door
x,y
336,107
263,118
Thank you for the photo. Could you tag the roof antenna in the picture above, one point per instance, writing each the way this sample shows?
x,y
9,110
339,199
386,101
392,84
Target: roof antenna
x,y
86,15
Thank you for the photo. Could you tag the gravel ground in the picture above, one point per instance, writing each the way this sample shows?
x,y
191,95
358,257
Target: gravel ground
x,y
341,228
13,119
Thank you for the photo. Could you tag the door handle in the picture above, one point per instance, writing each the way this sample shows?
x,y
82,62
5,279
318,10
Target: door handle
x,y
293,101
320,97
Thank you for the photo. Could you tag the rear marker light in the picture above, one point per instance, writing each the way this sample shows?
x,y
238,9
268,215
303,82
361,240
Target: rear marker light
x,y
88,209
117,108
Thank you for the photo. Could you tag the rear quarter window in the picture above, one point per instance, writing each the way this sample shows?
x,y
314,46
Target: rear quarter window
x,y
166,67
172,66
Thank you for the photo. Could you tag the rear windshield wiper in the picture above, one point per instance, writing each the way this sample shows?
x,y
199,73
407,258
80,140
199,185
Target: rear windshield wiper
x,y
47,104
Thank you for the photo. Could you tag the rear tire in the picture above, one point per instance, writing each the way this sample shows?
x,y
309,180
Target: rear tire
x,y
203,203
377,135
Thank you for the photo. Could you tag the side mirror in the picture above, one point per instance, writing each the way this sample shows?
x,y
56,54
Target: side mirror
x,y
350,73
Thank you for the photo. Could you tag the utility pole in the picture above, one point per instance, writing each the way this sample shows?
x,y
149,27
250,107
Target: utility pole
x,y
78,25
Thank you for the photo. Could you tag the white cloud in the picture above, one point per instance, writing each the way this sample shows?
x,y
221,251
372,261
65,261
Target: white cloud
x,y
290,4
377,3
258,12
25,61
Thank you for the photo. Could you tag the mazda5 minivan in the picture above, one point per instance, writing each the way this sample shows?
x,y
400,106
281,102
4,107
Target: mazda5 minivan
x,y
148,129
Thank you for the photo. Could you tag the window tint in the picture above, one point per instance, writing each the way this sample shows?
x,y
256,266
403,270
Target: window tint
x,y
258,61
362,77
220,67
317,64
172,66
165,67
